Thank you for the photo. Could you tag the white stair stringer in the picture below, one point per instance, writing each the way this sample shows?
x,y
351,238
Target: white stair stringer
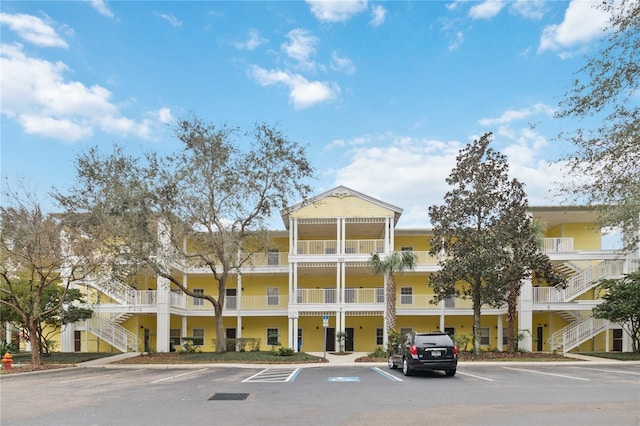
x,y
590,278
577,333
114,334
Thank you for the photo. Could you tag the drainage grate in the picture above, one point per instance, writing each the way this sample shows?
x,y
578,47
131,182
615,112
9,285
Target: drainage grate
x,y
229,397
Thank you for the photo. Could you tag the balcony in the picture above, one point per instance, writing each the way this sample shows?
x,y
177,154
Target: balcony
x,y
557,245
319,247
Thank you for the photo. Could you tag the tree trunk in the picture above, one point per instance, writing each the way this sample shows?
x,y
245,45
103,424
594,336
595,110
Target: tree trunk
x,y
391,303
476,320
33,341
221,337
512,301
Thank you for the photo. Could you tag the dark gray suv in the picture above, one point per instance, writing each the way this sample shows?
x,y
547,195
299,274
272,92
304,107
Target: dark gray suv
x,y
425,351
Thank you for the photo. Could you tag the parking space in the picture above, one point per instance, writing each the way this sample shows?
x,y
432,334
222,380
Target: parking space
x,y
324,395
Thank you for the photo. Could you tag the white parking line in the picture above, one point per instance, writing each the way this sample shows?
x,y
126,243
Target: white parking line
x,y
547,374
386,374
178,375
610,371
474,376
95,377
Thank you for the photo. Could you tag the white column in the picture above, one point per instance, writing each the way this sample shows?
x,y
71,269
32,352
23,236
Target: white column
x,y
500,332
67,338
525,316
163,316
386,235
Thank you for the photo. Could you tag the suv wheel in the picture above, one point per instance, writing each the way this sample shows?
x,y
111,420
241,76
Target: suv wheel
x,y
392,365
451,372
406,370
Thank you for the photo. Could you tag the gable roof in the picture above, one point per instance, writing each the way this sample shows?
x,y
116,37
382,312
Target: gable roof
x,y
341,192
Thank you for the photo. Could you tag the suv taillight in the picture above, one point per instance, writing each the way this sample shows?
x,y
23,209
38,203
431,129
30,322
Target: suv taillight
x,y
455,349
413,351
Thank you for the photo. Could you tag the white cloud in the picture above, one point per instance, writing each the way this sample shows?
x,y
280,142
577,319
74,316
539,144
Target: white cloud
x,y
254,40
486,10
339,63
514,115
533,9
32,29
302,93
582,23
419,168
378,14
336,10
34,92
301,46
175,22
455,43
101,7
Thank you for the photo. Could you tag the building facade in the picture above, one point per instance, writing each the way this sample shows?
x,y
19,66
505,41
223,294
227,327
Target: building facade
x,y
314,290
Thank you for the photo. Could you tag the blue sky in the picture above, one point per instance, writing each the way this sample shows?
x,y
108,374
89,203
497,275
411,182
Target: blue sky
x,y
384,93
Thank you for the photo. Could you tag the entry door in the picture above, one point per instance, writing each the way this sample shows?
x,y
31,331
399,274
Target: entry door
x,y
331,339
231,339
147,339
348,343
539,337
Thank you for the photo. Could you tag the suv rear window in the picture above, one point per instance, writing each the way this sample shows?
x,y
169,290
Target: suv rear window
x,y
433,339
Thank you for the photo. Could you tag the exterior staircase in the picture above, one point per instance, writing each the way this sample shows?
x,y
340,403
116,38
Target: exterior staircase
x,y
114,334
120,292
577,333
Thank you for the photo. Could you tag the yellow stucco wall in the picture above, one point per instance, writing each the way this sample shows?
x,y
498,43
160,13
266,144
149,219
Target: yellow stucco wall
x,y
341,207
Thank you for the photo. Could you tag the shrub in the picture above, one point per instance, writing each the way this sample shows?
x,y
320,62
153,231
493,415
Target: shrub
x,y
378,353
284,352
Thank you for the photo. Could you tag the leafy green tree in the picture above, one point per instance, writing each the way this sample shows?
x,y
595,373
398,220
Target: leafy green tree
x,y
484,232
210,194
524,261
71,309
622,305
395,262
39,261
605,169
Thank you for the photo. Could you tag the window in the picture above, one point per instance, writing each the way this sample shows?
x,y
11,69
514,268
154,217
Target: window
x,y
379,337
272,336
350,295
174,337
406,295
451,331
450,302
406,248
196,300
379,294
485,336
299,339
230,298
329,295
273,296
405,330
198,336
330,250
273,257
505,336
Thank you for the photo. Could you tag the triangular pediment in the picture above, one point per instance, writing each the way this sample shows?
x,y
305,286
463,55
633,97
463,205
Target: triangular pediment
x,y
341,202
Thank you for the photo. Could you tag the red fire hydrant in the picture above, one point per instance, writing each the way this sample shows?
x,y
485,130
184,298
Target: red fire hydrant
x,y
7,360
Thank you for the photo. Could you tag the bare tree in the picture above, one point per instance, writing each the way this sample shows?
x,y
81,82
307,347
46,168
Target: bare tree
x,y
38,256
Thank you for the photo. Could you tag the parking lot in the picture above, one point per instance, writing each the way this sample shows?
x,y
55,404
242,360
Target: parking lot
x,y
534,394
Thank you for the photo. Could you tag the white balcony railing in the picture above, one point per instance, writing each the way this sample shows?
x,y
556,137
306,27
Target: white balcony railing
x,y
557,245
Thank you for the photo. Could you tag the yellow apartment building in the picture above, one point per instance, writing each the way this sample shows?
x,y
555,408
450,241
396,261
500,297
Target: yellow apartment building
x,y
316,279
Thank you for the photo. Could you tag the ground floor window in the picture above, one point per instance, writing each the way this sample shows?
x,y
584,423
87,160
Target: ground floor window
x,y
405,330
485,336
198,336
451,331
379,337
272,336
174,338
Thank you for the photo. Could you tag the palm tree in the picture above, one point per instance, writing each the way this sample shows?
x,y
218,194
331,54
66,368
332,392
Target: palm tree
x,y
396,261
